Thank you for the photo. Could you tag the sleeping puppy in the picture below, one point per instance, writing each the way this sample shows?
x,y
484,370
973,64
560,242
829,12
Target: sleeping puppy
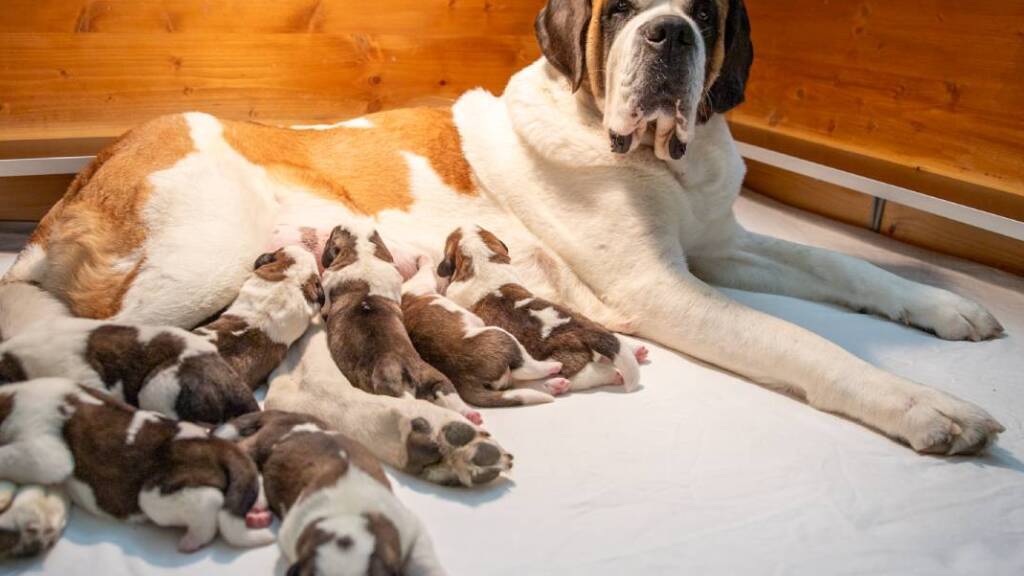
x,y
339,514
129,464
483,280
164,369
272,310
482,361
365,332
32,518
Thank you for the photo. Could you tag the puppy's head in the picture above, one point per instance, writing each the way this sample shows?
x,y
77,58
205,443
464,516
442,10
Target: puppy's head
x,y
366,545
659,65
359,253
295,270
468,248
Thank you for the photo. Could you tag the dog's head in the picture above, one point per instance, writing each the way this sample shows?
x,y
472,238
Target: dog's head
x,y
292,268
358,253
468,245
367,545
660,65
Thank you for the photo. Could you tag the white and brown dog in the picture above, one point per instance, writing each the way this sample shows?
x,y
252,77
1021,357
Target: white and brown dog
x,y
163,369
482,279
364,323
618,127
339,516
272,310
484,362
128,464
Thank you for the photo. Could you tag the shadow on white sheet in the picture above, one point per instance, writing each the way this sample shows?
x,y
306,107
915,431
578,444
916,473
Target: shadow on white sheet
x,y
703,473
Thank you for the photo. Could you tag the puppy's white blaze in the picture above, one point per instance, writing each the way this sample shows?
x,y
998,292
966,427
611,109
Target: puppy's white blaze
x,y
236,533
361,122
189,431
227,432
161,393
139,420
549,320
300,428
528,396
523,302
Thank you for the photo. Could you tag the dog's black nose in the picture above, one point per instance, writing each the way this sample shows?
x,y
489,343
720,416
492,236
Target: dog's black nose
x,y
666,33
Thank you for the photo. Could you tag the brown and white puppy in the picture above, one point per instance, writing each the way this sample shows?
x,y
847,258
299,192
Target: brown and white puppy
x,y
129,464
164,369
339,515
272,310
365,331
483,280
483,362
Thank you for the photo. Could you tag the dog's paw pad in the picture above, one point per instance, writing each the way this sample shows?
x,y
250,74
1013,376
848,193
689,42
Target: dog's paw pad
x,y
258,518
471,457
421,448
558,386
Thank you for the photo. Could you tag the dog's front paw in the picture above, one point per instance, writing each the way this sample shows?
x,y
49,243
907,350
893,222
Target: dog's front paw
x,y
454,453
936,423
951,317
34,521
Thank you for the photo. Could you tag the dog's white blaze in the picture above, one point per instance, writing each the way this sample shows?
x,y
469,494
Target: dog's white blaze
x,y
189,431
549,320
139,420
300,428
523,302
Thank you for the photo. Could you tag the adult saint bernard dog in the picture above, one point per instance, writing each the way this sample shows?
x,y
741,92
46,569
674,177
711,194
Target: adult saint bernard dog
x,y
606,166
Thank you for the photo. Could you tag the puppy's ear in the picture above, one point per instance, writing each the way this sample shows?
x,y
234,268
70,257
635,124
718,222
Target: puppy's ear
x,y
561,29
728,90
331,248
264,259
387,377
451,247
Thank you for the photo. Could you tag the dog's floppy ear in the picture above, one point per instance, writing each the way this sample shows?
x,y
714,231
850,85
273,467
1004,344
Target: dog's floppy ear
x,y
727,91
330,249
561,30
264,259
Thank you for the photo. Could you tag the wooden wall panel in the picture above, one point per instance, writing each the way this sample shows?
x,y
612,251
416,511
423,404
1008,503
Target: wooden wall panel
x,y
936,86
29,197
807,194
94,68
940,234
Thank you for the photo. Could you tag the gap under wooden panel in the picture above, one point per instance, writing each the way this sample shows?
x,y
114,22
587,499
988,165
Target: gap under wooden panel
x,y
948,236
29,197
808,194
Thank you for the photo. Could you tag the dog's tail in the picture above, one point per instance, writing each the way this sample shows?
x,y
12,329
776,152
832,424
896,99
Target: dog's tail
x,y
23,304
243,491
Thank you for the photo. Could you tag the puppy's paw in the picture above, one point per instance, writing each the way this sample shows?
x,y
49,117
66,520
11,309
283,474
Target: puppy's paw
x,y
35,519
950,317
641,353
558,386
191,542
470,457
936,423
258,518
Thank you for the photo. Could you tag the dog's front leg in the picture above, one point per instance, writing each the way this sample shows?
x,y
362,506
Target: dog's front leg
x,y
673,307
762,264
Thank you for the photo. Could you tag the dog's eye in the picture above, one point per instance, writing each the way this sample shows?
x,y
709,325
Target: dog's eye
x,y
620,7
703,15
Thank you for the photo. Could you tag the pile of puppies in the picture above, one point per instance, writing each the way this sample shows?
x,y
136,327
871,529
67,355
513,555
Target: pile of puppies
x,y
157,423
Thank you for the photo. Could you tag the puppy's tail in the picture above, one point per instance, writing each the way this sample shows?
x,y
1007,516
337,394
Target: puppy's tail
x,y
23,304
477,395
241,494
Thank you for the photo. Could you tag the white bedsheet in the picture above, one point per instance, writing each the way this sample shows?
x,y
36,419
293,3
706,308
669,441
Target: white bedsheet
x,y
702,473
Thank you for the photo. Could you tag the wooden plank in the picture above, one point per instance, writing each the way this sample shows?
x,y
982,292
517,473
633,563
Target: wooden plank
x,y
418,17
808,194
934,86
59,86
29,197
942,235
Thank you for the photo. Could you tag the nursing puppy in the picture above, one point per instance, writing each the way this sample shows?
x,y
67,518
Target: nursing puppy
x,y
339,515
128,464
365,332
482,361
272,310
164,369
483,280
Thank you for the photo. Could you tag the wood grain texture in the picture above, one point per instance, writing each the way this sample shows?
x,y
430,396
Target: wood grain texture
x,y
29,197
942,235
808,194
935,86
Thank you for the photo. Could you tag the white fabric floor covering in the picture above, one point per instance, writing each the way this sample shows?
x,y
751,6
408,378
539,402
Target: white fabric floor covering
x,y
702,473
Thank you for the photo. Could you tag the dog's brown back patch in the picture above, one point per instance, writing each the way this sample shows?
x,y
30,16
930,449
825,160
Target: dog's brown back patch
x,y
362,167
248,350
119,357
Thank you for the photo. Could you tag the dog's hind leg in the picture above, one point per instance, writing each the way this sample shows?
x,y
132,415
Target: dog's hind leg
x,y
195,508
